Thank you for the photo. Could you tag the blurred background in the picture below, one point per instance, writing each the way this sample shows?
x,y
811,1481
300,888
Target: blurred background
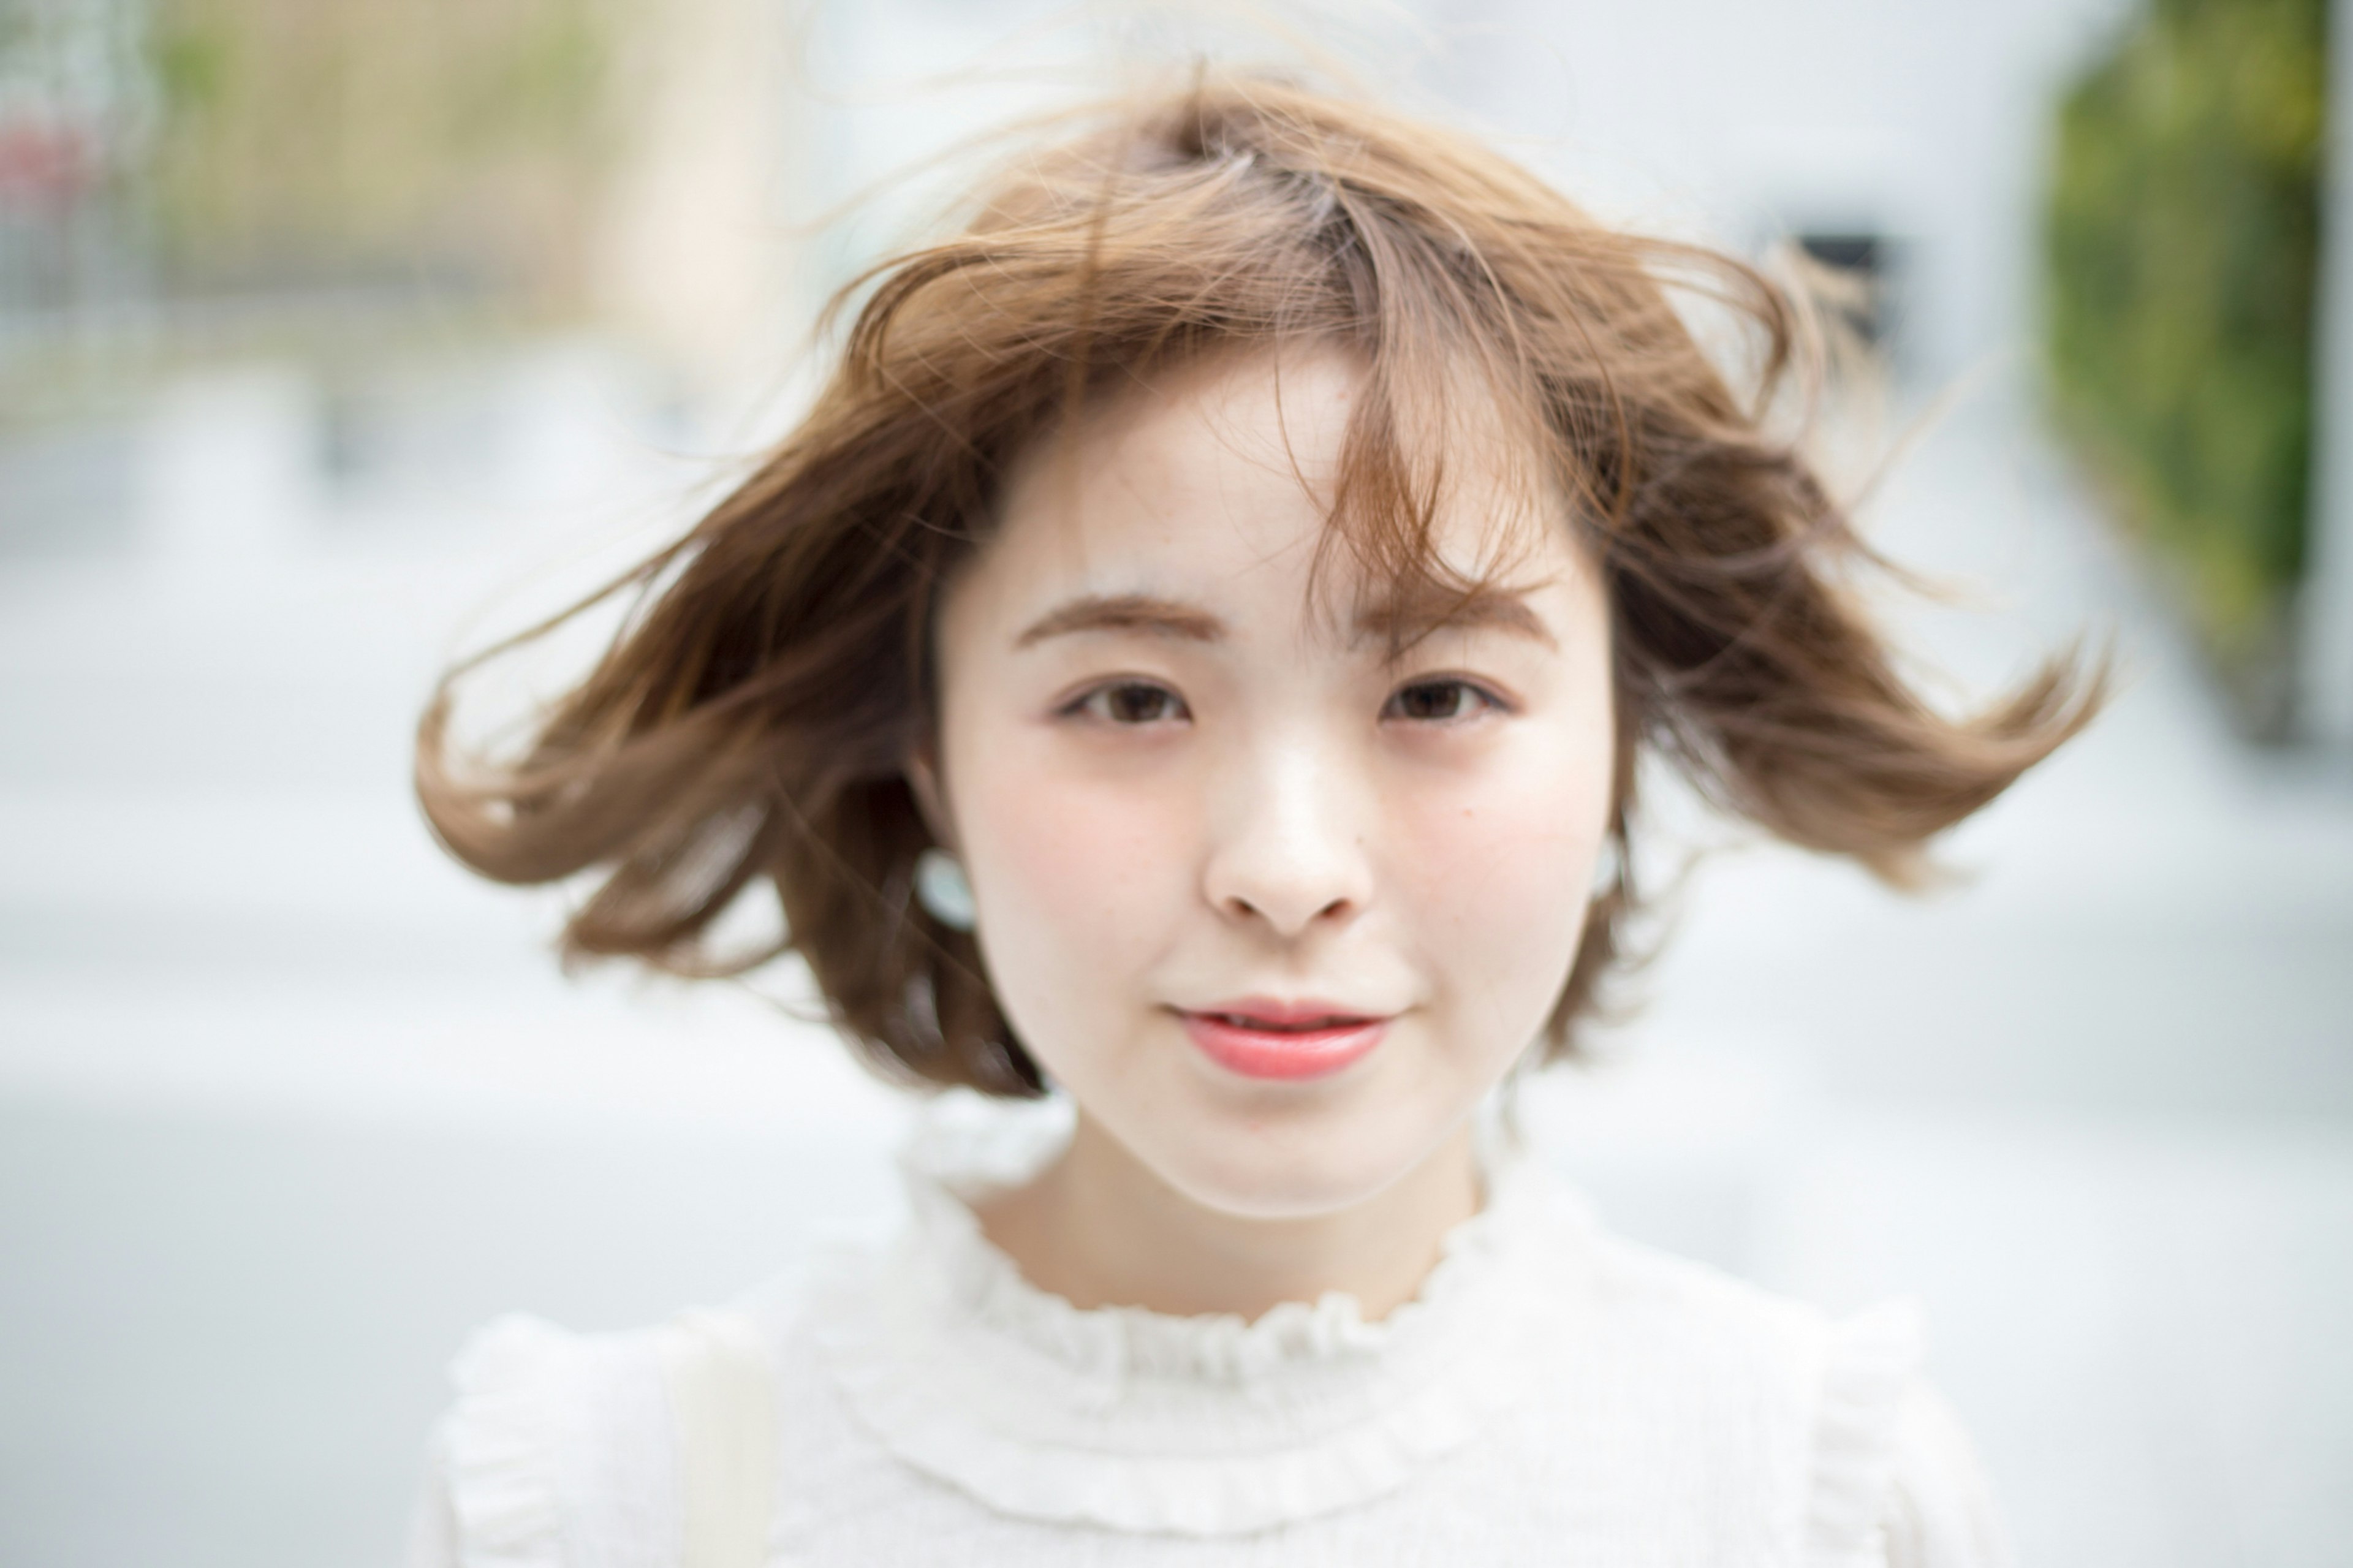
x,y
338,336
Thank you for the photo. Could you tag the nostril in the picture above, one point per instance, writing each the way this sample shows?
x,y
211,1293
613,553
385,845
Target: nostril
x,y
1285,853
1244,908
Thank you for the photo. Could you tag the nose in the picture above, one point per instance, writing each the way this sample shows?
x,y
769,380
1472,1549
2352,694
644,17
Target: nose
x,y
1288,846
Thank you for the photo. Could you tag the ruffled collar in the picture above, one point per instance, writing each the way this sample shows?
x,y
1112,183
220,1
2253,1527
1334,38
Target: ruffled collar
x,y
1142,1421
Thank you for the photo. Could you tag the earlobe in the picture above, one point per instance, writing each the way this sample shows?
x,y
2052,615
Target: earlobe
x,y
924,782
940,883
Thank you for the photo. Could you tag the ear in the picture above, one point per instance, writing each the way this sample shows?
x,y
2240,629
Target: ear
x,y
924,781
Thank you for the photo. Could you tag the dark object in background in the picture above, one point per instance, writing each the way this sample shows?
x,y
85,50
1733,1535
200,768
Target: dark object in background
x,y
2181,246
1861,258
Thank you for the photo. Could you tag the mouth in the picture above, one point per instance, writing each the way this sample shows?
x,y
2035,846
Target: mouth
x,y
1287,1040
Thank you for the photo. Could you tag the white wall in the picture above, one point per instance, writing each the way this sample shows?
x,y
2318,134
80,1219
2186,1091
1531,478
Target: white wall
x,y
1925,122
1729,120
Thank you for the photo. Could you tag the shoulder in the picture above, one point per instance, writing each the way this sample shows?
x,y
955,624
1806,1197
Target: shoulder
x,y
1727,1360
1703,1315
563,1447
1825,1423
552,1436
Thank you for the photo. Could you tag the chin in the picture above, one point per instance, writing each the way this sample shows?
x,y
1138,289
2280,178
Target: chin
x,y
1285,1168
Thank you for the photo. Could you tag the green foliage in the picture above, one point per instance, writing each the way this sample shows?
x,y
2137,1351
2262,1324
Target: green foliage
x,y
191,67
2181,243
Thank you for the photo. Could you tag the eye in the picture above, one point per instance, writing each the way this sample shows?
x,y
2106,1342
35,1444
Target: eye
x,y
1132,702
1439,701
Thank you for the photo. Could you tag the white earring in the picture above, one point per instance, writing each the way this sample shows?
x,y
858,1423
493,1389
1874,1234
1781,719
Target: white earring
x,y
1607,867
942,888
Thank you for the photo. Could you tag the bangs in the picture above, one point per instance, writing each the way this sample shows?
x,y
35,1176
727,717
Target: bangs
x,y
1448,485
1232,226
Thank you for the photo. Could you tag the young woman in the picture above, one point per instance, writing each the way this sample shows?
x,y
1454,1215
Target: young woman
x,y
1189,672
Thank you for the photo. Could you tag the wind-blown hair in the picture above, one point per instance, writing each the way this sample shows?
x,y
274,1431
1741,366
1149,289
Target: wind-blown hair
x,y
750,725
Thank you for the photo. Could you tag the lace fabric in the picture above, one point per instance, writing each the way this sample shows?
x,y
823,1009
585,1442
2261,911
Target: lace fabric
x,y
1143,1421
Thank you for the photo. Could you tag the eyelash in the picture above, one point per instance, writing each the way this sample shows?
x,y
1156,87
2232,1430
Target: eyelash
x,y
1088,702
1095,702
1487,701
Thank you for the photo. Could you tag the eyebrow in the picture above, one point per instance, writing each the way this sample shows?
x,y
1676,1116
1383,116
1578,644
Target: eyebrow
x,y
1407,619
1124,612
1401,622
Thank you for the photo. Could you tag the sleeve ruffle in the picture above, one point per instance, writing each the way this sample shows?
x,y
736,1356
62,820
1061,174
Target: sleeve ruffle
x,y
1872,1363
499,1444
1895,1484
1940,1512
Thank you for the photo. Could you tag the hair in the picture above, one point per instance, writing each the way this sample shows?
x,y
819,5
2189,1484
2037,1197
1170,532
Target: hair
x,y
753,721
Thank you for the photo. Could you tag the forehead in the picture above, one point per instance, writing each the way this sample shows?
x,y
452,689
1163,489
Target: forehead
x,y
1235,475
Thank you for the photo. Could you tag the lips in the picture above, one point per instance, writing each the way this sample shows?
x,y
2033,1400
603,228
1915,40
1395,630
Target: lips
x,y
1263,1039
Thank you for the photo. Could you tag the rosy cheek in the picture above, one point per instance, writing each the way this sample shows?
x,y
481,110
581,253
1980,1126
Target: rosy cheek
x,y
1081,864
1502,872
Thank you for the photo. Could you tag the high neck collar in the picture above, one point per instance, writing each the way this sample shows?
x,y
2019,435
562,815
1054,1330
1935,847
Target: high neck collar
x,y
1142,1420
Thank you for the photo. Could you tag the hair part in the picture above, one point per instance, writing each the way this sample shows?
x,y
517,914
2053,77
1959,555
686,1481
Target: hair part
x,y
754,721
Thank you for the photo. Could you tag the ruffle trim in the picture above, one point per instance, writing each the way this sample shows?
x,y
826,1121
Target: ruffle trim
x,y
966,1148
1196,1426
1872,1358
1118,1346
500,1443
1198,1495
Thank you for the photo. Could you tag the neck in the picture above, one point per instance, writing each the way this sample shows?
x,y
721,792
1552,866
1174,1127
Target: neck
x,y
1100,1230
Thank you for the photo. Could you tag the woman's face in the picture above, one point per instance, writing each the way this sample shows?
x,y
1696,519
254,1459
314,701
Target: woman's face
x,y
1273,904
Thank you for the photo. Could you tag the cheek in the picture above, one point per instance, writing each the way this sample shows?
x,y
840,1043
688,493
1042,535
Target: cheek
x,y
1071,857
1501,872
1081,879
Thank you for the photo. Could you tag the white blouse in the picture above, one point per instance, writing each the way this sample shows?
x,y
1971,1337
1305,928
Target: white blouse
x,y
1554,1394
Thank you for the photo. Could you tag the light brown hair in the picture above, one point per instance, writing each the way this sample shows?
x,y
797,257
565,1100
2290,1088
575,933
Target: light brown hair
x,y
750,725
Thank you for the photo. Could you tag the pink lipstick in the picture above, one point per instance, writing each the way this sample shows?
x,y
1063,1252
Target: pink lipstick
x,y
1260,1037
